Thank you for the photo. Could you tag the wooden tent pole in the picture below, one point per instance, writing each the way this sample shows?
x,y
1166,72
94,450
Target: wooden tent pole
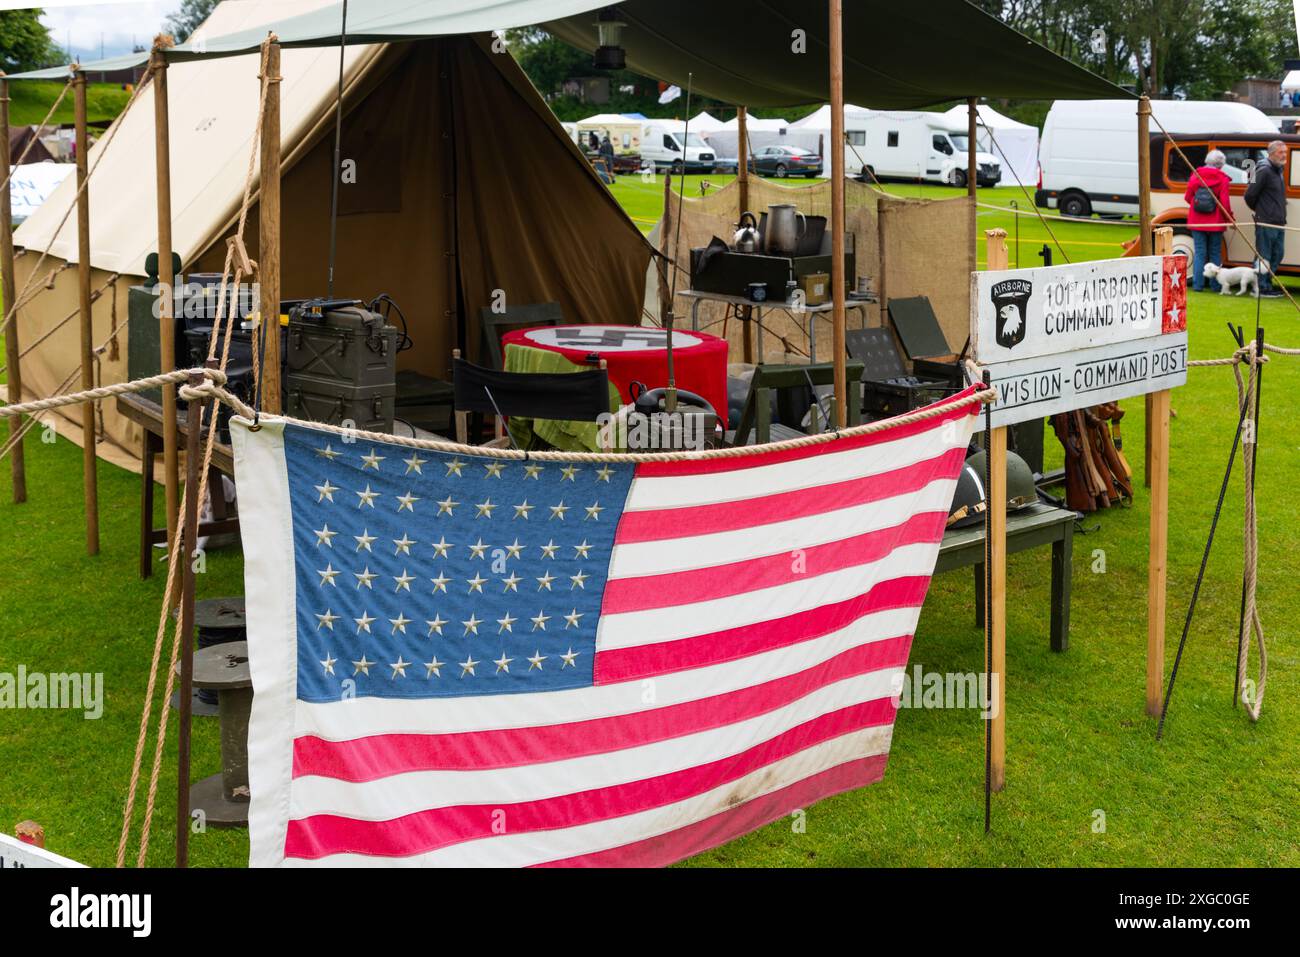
x,y
972,176
1144,242
742,154
14,383
996,530
166,283
268,245
89,464
837,211
1157,563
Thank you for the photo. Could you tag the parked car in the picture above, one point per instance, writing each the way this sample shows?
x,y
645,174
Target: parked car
x,y
783,161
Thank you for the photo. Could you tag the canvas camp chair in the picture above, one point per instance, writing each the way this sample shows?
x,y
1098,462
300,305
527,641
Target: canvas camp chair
x,y
523,316
570,396
790,384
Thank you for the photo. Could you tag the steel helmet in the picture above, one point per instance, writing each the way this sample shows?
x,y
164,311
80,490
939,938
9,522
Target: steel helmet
x,y
968,501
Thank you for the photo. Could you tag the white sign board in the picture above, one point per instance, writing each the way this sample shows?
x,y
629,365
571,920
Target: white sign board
x,y
1058,338
14,853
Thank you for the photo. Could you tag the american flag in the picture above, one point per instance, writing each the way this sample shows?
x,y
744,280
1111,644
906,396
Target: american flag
x,y
465,660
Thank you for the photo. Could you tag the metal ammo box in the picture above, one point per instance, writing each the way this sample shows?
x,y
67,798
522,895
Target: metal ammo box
x,y
340,365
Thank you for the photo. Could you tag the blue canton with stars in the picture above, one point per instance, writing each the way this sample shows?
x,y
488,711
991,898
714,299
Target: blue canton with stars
x,y
422,574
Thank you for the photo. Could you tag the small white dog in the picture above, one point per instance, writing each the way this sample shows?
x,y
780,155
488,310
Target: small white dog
x,y
1243,276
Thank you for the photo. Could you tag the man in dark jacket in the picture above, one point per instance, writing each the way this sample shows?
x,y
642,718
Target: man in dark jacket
x,y
1266,196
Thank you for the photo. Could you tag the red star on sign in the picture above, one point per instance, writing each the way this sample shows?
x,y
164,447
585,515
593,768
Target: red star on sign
x,y
1173,310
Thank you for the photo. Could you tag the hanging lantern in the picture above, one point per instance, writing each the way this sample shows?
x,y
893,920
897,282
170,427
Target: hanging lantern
x,y
609,33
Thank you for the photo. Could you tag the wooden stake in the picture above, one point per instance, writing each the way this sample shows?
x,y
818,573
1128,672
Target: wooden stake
x,y
1144,238
742,151
996,529
269,232
972,165
1157,564
88,461
837,211
166,283
14,384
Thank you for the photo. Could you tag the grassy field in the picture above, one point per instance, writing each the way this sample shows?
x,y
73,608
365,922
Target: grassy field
x,y
1216,791
30,100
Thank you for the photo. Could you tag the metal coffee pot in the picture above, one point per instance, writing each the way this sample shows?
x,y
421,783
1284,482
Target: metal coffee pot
x,y
785,226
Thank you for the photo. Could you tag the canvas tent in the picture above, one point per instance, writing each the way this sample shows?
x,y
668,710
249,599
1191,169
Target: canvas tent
x,y
705,122
1015,144
438,221
624,132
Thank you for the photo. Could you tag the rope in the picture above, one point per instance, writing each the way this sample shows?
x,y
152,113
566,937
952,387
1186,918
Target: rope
x,y
1127,224
1042,219
1251,622
35,135
94,297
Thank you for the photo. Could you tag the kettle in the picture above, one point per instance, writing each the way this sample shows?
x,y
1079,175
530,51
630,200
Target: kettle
x,y
746,238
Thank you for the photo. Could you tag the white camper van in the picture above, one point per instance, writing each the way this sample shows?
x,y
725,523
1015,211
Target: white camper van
x,y
668,145
911,145
1088,153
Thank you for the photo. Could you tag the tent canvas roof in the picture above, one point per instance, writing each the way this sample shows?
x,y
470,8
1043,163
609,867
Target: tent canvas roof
x,y
988,117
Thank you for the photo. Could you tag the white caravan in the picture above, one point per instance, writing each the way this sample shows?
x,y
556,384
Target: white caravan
x,y
911,145
668,145
1088,153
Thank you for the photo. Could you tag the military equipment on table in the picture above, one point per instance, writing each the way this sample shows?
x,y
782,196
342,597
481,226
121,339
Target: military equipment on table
x,y
340,365
969,502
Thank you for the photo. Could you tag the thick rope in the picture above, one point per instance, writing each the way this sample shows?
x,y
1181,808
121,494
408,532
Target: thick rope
x,y
35,136
1251,621
94,297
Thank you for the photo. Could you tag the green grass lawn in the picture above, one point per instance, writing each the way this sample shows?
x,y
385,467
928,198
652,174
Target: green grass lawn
x,y
1216,791
30,100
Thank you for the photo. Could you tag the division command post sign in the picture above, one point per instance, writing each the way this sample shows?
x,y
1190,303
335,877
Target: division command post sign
x,y
1058,338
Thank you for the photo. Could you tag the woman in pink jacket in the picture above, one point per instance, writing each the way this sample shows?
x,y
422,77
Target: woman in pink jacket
x,y
1208,204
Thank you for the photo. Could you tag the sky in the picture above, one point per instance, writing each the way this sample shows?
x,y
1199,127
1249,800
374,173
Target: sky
x,y
117,25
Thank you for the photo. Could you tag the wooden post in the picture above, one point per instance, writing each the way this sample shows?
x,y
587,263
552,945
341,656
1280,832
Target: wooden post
x,y
14,383
742,154
1144,241
972,177
837,211
166,283
1157,563
269,232
88,461
996,530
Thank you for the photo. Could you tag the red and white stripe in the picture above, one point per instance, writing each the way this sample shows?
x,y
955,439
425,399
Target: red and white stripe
x,y
758,613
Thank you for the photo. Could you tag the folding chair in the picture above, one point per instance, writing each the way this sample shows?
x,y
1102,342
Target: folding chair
x,y
789,383
493,324
576,396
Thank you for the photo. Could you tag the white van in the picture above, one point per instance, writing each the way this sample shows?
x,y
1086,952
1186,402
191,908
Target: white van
x,y
1088,153
668,145
911,145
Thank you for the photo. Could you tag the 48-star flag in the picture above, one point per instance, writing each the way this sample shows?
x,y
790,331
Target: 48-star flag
x,y
468,660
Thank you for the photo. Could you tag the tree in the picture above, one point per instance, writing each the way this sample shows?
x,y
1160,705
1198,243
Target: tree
x,y
25,42
187,19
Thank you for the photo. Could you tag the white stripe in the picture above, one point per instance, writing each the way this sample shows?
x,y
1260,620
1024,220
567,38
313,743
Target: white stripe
x,y
631,629
266,528
676,491
540,847
400,794
745,544
361,717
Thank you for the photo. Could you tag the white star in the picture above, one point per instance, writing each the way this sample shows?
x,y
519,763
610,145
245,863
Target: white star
x,y
557,511
478,549
545,581
569,472
471,626
403,581
603,474
532,471
403,545
507,624
324,536
475,584
364,540
548,550
399,623
593,511
328,453
511,583
328,663
582,549
521,511
408,501
484,508
467,665
371,461
1175,278
362,667
455,465
433,667
535,660
365,578
503,663
441,546
578,581
363,623
540,620
493,469
571,619
367,497
1173,315
413,464
514,549
446,505
440,583
568,658
327,620
435,624
327,575
399,667
326,491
